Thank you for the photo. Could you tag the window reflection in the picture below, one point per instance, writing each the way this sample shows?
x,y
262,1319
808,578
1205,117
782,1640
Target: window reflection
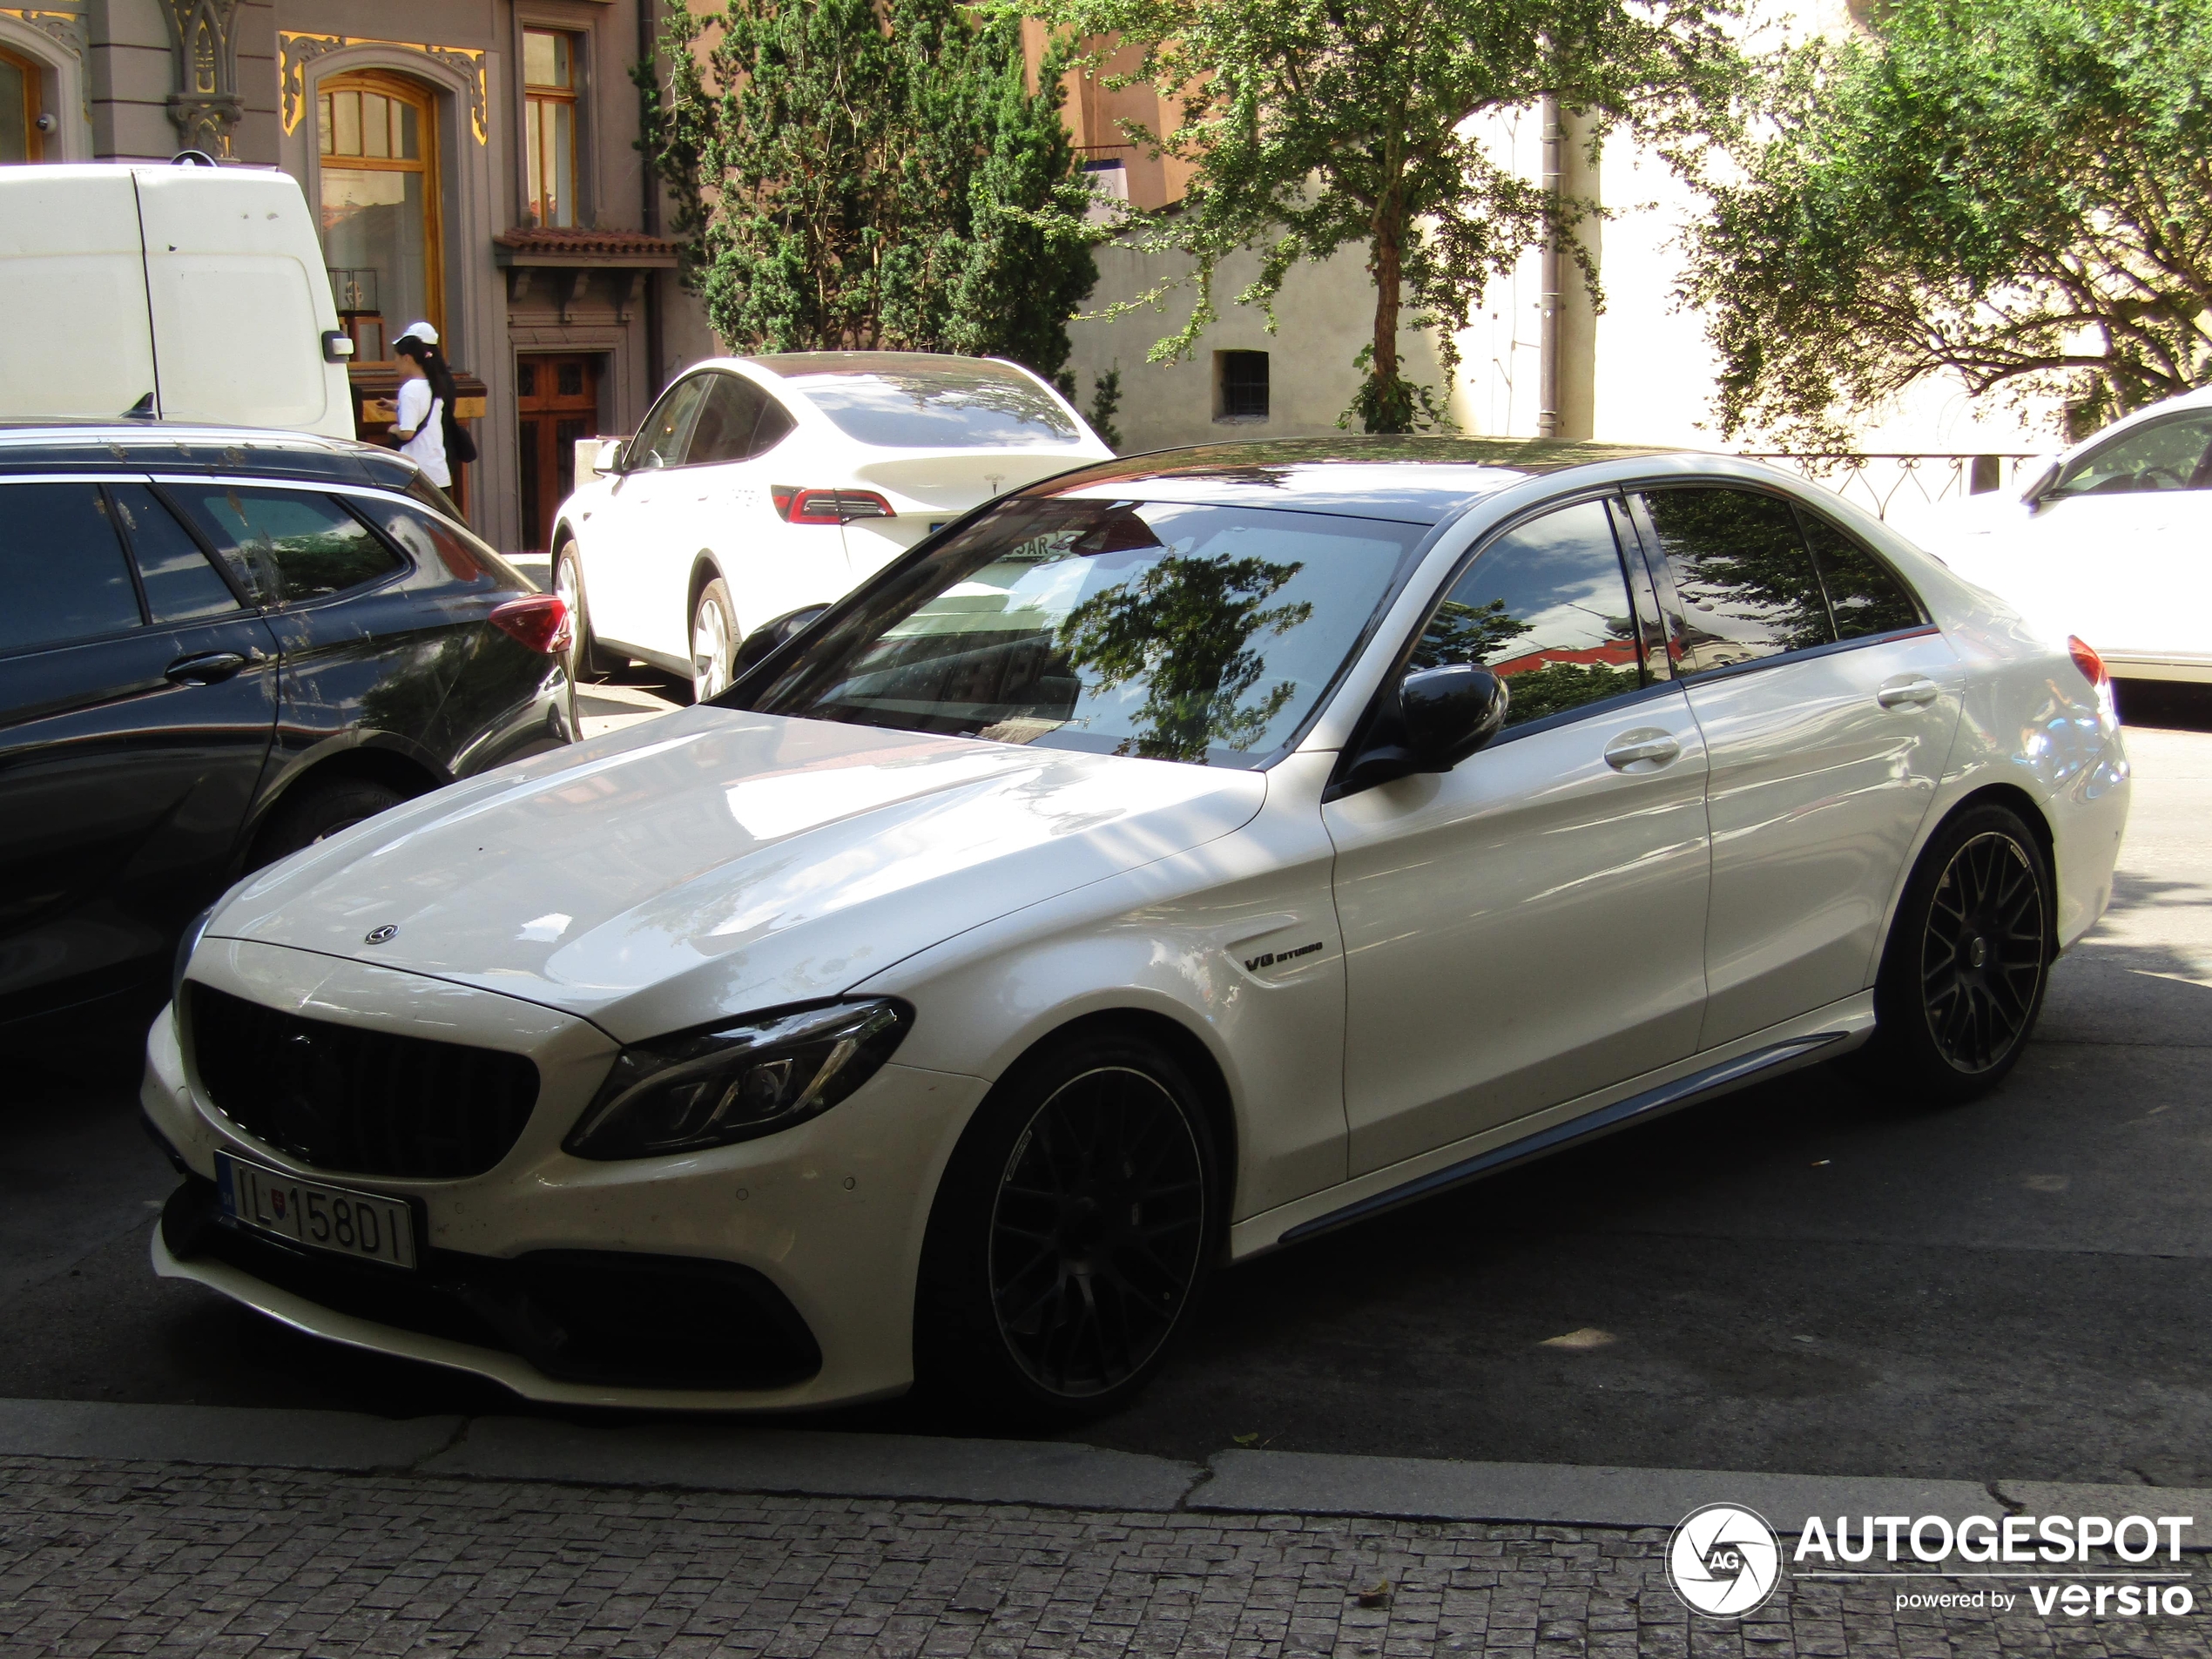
x,y
378,194
1545,608
1745,583
1865,596
1200,634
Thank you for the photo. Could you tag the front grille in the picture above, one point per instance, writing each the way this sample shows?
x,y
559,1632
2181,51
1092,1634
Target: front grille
x,y
365,1103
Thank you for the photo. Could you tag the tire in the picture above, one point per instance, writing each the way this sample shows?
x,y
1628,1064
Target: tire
x,y
586,661
318,811
1072,1234
714,640
1968,962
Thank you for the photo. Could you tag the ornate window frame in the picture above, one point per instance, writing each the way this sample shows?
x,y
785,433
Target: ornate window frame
x,y
580,19
54,40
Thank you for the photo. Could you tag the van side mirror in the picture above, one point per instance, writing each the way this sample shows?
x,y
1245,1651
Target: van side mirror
x,y
1437,718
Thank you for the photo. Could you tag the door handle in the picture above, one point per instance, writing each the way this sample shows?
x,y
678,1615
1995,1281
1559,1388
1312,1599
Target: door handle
x,y
1646,750
205,669
1910,690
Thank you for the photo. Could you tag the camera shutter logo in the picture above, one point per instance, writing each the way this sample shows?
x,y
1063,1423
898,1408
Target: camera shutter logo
x,y
1724,1561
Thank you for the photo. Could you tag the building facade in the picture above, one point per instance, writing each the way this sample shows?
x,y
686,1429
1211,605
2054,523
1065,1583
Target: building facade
x,y
473,162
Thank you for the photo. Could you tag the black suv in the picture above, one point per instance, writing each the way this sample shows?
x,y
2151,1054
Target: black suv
x,y
215,647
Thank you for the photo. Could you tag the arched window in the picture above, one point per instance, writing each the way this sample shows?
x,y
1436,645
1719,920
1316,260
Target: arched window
x,y
380,206
20,138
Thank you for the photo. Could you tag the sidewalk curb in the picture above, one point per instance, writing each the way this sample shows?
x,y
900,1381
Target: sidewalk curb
x,y
1045,1473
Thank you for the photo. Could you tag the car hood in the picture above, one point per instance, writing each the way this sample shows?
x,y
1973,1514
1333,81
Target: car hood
x,y
715,861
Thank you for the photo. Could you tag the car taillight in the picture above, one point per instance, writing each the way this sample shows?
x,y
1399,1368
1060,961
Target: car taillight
x,y
797,506
540,621
2092,665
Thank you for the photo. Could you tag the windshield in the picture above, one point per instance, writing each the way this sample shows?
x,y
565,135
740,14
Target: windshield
x,y
1203,634
973,405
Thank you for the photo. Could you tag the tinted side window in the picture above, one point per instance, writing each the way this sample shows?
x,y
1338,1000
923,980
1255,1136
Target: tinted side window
x,y
1746,585
1864,595
659,443
727,418
2165,455
775,426
441,547
180,584
1546,607
288,543
61,566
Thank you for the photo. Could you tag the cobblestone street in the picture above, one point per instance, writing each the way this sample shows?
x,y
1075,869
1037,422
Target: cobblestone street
x,y
111,1557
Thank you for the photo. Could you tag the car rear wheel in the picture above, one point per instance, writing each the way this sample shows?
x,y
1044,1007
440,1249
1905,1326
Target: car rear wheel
x,y
318,811
714,641
585,659
1072,1234
1968,962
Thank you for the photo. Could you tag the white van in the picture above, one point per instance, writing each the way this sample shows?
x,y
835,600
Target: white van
x,y
177,293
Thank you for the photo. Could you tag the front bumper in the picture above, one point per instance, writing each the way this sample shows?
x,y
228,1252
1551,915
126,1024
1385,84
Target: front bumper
x,y
789,1263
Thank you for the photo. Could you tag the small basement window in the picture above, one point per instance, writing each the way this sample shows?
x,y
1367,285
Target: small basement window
x,y
1240,385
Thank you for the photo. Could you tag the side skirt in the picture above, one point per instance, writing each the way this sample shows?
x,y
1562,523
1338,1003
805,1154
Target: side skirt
x,y
1846,1025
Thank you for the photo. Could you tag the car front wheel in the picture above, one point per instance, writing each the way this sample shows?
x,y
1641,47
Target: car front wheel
x,y
714,641
1071,1236
1968,960
317,811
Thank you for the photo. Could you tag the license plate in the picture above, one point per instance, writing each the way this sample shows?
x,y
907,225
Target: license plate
x,y
338,1219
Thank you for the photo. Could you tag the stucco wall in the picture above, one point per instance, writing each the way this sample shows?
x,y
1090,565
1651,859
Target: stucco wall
x,y
1325,314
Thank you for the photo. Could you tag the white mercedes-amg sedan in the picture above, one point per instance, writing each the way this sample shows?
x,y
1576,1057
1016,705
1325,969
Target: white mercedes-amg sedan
x,y
761,487
1166,863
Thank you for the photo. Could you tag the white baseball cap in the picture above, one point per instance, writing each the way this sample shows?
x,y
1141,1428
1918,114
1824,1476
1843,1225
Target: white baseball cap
x,y
421,331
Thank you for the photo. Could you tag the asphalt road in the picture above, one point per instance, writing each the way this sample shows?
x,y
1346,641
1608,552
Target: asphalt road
x,y
1799,1278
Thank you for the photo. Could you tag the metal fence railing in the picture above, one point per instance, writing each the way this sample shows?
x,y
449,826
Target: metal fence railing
x,y
1881,483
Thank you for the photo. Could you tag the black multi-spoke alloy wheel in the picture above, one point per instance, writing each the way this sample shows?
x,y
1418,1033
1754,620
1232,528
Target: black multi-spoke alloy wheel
x,y
1071,1234
1968,958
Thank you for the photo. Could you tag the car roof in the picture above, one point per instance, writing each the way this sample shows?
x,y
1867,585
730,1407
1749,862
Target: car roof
x,y
1417,479
151,446
792,365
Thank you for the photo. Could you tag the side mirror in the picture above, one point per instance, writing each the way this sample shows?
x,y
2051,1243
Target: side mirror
x,y
1451,711
1439,717
595,456
2040,486
763,641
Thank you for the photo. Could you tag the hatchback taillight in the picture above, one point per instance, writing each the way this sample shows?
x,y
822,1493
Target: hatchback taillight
x,y
797,506
540,621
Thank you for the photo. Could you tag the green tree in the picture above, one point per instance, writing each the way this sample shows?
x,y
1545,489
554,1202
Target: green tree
x,y
1185,628
1317,125
865,174
2016,192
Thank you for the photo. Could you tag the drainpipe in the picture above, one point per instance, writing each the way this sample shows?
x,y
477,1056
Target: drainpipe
x,y
649,52
1548,318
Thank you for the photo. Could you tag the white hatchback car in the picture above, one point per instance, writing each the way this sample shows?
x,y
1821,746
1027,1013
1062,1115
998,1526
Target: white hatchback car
x,y
1176,860
2112,541
760,487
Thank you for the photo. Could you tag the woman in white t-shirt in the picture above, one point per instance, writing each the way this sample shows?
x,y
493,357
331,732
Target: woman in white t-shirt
x,y
426,395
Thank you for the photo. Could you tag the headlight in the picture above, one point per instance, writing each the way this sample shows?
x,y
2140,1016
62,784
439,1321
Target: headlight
x,y
737,1082
186,946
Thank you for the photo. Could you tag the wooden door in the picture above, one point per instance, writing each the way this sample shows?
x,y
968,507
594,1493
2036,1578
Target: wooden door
x,y
556,402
